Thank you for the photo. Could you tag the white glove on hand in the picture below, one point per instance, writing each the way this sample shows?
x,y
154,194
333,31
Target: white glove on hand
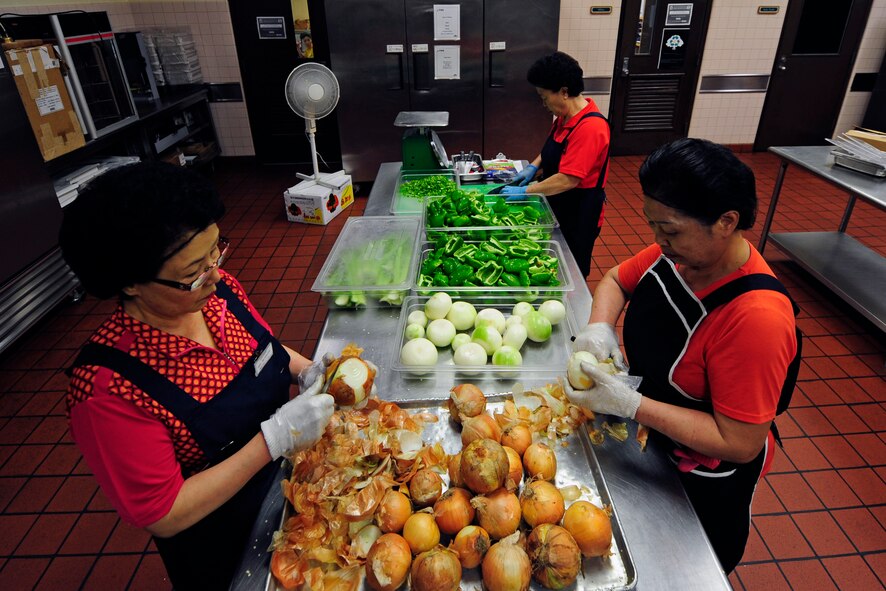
x,y
600,340
298,424
312,378
609,396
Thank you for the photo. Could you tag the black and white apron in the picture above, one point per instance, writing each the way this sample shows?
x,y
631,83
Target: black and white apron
x,y
662,317
578,210
205,556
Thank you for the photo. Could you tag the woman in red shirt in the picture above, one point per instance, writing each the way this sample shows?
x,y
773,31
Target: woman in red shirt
x,y
709,329
171,396
574,159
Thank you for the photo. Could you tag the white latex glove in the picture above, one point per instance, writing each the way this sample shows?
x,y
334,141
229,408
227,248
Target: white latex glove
x,y
609,396
312,378
600,340
298,424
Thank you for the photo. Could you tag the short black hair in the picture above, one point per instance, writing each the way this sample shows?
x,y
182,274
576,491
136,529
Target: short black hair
x,y
127,222
700,179
555,71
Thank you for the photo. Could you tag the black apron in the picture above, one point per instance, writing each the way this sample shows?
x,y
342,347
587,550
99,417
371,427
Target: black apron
x,y
662,316
577,210
206,555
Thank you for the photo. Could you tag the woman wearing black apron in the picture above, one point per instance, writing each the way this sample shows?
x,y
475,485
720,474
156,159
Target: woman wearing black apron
x,y
170,398
574,158
709,329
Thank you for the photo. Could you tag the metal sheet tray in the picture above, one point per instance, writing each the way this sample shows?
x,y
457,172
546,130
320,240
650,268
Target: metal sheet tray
x,y
576,464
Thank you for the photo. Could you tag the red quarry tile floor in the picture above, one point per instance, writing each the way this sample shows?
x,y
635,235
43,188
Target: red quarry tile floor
x,y
819,517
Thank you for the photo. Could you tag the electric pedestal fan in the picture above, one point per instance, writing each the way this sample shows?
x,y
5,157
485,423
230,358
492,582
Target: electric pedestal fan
x,y
312,93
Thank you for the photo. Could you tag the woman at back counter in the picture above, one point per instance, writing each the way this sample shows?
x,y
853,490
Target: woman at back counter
x,y
180,401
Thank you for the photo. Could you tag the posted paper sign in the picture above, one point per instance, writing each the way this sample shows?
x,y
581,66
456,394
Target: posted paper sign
x,y
447,64
447,23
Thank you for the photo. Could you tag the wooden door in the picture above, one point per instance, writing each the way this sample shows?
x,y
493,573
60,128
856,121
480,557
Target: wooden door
x,y
818,45
656,71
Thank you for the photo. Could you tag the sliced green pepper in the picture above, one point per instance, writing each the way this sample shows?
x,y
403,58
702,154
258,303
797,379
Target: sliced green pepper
x,y
500,206
465,251
425,280
482,255
449,265
515,250
452,244
514,265
489,273
530,213
541,278
523,276
509,280
461,273
436,220
429,266
440,279
459,221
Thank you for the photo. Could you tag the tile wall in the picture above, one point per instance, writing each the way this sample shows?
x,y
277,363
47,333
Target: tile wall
x,y
870,55
590,39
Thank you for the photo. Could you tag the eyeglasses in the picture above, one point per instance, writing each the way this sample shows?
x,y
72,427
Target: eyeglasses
x,y
225,246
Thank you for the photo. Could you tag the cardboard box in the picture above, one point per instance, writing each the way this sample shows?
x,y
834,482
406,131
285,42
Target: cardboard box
x,y
42,88
310,203
874,138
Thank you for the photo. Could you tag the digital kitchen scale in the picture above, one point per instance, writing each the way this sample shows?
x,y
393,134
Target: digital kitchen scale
x,y
422,148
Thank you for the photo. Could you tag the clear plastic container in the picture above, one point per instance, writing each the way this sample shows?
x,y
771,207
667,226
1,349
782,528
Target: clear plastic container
x,y
549,357
539,230
403,204
371,264
515,294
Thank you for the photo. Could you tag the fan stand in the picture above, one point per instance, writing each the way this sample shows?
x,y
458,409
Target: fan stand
x,y
317,177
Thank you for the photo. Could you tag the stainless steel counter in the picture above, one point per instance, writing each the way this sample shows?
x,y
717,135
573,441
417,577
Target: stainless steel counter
x,y
668,546
846,266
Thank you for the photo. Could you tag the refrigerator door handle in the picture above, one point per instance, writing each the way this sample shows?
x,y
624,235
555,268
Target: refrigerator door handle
x,y
497,67
421,68
395,72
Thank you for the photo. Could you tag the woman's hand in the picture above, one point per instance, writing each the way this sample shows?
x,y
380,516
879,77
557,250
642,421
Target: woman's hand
x,y
313,377
298,424
609,396
525,176
600,340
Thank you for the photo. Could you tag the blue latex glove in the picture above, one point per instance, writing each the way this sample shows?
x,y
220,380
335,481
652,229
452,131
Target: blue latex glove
x,y
513,193
526,175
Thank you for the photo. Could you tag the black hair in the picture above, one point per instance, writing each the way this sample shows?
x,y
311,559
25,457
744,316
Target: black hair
x,y
555,71
700,179
129,221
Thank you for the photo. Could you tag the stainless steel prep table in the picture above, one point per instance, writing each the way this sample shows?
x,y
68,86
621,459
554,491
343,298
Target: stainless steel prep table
x,y
850,269
668,546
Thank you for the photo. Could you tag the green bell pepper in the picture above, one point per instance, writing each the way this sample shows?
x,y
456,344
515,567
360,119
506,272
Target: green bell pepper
x,y
465,251
489,273
523,276
440,279
461,273
452,244
509,279
543,278
515,265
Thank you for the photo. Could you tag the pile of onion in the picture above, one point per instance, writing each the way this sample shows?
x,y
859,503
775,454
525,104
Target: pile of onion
x,y
471,544
453,511
590,526
554,555
498,512
541,502
484,466
465,401
387,563
506,567
540,461
436,570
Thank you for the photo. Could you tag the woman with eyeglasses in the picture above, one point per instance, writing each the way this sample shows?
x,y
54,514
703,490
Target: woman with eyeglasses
x,y
180,400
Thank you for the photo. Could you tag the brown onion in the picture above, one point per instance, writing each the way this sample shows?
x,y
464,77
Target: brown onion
x,y
541,502
471,544
387,563
436,570
454,469
498,512
482,426
393,511
465,400
555,557
590,526
540,461
506,567
453,511
484,466
518,437
425,487
421,532
515,469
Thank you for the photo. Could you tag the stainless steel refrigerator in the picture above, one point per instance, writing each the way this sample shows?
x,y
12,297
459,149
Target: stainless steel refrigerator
x,y
468,58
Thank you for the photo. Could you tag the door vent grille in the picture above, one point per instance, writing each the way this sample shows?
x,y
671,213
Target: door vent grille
x,y
651,103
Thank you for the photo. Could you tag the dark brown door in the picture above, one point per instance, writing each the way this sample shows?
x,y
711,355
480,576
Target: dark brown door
x,y
656,70
812,68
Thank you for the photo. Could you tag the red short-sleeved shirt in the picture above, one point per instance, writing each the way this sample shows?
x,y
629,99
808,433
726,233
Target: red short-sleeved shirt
x,y
134,446
738,356
586,147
